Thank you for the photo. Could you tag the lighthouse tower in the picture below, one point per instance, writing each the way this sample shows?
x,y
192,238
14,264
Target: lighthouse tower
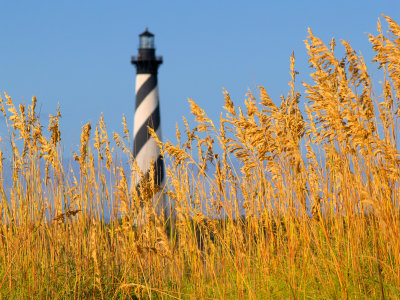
x,y
147,113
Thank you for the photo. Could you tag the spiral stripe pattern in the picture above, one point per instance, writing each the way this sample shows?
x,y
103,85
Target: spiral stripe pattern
x,y
147,114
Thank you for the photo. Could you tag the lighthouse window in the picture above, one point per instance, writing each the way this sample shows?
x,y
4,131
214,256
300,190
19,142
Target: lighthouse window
x,y
146,42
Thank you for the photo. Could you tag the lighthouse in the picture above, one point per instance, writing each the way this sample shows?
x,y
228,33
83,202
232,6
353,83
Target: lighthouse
x,y
147,114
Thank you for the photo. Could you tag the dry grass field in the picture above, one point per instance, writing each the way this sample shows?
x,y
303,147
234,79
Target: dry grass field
x,y
270,202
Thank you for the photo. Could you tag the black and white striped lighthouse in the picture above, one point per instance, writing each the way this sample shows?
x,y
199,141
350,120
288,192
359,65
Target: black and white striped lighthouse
x,y
147,112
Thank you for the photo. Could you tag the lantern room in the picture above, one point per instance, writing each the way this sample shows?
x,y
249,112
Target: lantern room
x,y
146,40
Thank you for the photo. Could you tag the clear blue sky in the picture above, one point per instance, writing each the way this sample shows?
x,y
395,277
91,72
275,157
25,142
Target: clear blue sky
x,y
77,53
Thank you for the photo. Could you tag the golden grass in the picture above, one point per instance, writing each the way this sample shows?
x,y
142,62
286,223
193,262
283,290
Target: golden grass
x,y
311,209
